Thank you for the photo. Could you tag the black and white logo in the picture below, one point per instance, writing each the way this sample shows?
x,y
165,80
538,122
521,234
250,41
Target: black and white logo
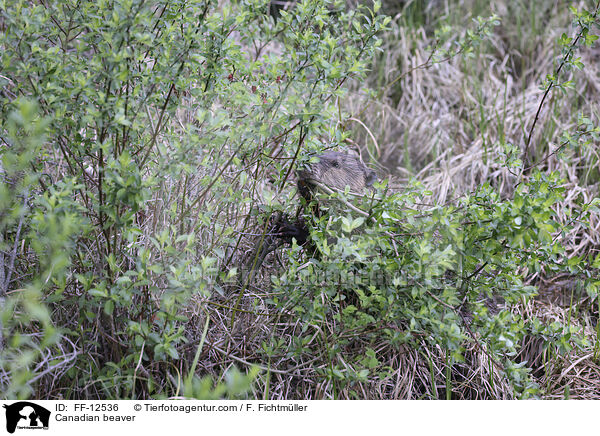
x,y
26,415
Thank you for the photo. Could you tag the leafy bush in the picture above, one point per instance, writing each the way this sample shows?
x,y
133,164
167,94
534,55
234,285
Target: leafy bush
x,y
157,126
430,277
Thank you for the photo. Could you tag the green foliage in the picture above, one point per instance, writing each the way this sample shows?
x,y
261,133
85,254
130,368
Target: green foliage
x,y
140,139
409,277
48,225
405,276
236,386
480,32
155,122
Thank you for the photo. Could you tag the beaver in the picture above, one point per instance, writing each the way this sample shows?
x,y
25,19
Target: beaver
x,y
333,169
337,171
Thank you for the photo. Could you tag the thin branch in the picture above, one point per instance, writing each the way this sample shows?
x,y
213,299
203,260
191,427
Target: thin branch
x,y
551,85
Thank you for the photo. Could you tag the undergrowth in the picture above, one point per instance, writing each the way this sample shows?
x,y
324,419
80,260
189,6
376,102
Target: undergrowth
x,y
144,148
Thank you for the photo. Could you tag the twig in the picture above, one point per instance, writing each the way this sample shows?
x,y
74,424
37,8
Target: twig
x,y
551,85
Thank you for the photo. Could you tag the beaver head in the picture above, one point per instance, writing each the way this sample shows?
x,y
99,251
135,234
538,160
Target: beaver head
x,y
337,171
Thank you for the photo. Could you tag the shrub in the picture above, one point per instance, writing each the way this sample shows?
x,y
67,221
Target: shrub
x,y
430,278
156,130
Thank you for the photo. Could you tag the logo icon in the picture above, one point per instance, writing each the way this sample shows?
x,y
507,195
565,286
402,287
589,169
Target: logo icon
x,y
26,415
